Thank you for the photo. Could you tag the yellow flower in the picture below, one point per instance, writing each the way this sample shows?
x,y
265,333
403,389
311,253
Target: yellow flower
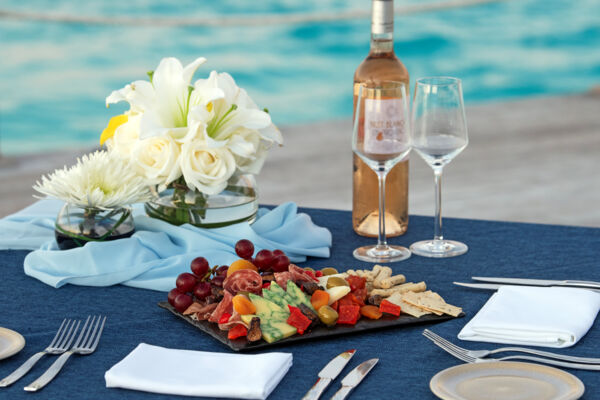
x,y
113,124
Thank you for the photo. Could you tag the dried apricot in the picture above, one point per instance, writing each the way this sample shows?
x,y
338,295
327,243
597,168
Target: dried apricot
x,y
240,264
319,299
243,305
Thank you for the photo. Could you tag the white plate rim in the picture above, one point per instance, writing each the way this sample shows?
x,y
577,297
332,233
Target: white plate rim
x,y
17,342
492,364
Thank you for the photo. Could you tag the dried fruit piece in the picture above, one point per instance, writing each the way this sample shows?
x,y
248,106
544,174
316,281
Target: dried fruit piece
x,y
319,299
371,312
243,305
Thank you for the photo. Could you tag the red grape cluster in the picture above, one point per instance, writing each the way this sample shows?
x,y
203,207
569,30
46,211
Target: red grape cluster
x,y
201,281
265,260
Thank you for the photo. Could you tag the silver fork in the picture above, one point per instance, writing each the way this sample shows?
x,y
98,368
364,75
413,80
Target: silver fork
x,y
86,344
61,343
462,355
484,353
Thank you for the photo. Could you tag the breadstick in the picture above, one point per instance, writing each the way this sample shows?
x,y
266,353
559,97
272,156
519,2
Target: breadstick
x,y
385,273
407,287
392,281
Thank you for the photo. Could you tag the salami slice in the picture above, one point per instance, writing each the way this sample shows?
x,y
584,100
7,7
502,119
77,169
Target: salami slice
x,y
243,280
225,306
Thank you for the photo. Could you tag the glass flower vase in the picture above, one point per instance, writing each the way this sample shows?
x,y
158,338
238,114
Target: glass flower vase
x,y
179,205
75,226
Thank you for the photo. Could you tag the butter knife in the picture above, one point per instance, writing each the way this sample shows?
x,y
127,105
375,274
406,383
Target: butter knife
x,y
539,282
328,374
354,378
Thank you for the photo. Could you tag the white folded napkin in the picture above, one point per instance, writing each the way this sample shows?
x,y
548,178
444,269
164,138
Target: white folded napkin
x,y
534,316
198,373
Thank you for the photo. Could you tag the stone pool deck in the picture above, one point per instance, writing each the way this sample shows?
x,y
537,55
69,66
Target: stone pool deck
x,y
533,160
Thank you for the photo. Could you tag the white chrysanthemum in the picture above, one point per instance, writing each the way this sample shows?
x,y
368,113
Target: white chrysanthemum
x,y
98,180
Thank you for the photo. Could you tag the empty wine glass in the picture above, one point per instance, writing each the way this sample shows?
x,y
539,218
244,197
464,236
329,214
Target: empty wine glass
x,y
381,139
439,133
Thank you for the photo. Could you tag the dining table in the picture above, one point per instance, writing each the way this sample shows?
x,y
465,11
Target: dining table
x,y
407,360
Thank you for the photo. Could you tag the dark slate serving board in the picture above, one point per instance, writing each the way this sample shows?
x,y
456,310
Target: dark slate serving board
x,y
362,325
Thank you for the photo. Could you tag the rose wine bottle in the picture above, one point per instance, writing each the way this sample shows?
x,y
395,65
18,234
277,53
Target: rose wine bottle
x,y
380,65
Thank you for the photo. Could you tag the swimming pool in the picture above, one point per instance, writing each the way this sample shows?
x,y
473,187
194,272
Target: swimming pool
x,y
54,76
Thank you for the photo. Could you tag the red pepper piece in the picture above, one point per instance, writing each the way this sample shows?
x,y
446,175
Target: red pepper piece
x,y
294,309
361,294
237,331
348,314
310,273
298,320
335,305
318,274
356,282
266,285
390,308
224,318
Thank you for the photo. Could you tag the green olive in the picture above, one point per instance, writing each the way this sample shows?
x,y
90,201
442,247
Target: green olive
x,y
336,281
328,315
309,269
329,271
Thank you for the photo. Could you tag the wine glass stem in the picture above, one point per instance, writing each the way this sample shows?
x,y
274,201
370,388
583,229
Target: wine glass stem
x,y
437,232
381,240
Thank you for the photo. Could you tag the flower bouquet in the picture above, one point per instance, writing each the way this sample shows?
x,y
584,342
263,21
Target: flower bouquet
x,y
198,144
96,192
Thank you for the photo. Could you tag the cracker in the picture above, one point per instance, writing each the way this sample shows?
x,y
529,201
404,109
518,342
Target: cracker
x,y
431,301
405,307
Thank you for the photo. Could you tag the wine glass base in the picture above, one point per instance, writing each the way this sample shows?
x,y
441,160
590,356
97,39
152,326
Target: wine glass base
x,y
438,248
386,254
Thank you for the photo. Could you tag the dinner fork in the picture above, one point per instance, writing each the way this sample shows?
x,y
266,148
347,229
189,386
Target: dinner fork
x,y
86,344
484,353
461,355
61,343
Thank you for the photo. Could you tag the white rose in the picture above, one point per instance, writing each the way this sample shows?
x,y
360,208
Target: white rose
x,y
157,158
206,169
125,137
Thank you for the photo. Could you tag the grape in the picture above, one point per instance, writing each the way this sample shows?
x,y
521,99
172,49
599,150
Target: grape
x,y
172,294
244,248
278,252
264,259
218,281
200,267
202,290
281,263
185,282
222,271
182,302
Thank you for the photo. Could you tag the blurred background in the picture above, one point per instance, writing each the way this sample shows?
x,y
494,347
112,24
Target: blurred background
x,y
530,71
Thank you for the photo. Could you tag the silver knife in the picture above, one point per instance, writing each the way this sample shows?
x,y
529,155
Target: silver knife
x,y
496,286
354,378
328,374
539,282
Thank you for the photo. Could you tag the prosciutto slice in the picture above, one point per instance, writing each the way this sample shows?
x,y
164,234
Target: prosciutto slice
x,y
235,319
243,280
282,277
295,274
224,306
201,311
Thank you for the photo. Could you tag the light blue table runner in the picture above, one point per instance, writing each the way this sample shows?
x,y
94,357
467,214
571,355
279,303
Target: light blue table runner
x,y
158,252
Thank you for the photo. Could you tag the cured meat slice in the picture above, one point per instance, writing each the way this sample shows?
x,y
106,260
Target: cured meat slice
x,y
299,275
199,311
235,319
243,280
282,277
225,306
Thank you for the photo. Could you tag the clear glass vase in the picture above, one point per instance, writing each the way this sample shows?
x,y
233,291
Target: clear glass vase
x,y
179,205
75,226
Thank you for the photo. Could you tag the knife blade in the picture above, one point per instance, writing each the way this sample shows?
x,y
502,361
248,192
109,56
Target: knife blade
x,y
353,378
328,374
496,286
539,282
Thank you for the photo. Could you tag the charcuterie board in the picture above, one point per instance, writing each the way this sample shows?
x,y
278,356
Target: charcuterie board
x,y
363,325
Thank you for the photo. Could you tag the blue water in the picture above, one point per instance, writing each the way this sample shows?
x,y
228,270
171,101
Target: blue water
x,y
54,77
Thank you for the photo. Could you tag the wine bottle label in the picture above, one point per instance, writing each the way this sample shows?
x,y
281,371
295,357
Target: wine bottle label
x,y
384,126
383,17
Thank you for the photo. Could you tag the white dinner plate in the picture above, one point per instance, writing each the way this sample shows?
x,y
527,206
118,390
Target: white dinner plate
x,y
505,380
11,343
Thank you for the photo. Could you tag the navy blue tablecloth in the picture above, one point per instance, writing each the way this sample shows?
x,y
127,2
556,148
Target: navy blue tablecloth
x,y
407,359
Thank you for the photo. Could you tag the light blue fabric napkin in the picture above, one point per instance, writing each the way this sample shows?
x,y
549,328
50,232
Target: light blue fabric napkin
x,y
157,252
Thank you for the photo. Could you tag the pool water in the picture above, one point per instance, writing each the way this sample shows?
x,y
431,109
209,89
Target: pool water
x,y
54,77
